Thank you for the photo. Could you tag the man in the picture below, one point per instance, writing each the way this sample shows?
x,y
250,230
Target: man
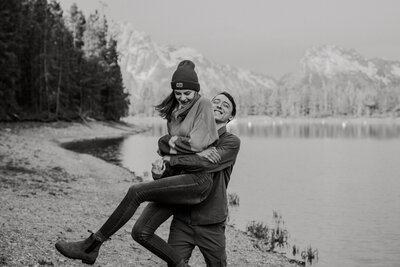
x,y
203,225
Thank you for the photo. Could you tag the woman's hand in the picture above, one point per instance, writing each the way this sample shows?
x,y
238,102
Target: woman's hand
x,y
211,154
157,168
171,141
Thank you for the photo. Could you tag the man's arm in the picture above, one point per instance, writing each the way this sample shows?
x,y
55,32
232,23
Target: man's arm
x,y
228,149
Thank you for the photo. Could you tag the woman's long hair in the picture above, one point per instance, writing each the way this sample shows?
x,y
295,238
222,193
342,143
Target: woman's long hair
x,y
167,106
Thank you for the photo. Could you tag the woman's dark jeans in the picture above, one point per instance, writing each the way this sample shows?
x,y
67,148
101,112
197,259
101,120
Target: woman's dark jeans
x,y
143,232
184,189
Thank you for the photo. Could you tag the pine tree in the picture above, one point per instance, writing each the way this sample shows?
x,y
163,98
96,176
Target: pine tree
x,y
56,57
94,67
77,24
94,37
26,96
36,43
114,99
10,16
76,97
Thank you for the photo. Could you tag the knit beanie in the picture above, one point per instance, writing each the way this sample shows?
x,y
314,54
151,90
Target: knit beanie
x,y
185,77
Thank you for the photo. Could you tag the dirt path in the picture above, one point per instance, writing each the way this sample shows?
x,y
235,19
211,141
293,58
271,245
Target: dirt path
x,y
48,193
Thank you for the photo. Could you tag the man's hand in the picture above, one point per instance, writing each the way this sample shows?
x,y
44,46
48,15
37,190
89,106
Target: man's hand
x,y
166,158
157,168
211,154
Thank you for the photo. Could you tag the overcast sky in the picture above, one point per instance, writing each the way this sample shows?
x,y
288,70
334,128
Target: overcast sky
x,y
266,36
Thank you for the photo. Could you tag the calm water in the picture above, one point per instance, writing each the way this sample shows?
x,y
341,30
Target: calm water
x,y
336,184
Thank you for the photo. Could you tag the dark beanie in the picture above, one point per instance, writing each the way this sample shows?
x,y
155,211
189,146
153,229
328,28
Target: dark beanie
x,y
185,77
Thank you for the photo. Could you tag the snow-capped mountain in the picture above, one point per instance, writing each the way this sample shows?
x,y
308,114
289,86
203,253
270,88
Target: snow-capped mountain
x,y
333,62
147,69
336,81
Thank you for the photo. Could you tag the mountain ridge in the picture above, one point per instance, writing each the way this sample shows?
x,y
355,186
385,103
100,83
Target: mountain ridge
x,y
332,60
147,68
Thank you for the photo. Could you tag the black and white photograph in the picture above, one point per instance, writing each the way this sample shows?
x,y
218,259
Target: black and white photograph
x,y
200,133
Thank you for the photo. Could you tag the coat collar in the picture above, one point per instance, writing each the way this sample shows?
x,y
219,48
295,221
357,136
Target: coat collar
x,y
222,130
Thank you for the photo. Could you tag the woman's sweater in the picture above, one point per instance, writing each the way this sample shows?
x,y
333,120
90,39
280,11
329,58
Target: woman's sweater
x,y
195,132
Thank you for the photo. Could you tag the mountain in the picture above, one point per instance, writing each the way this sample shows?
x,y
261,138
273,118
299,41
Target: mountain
x,y
331,81
147,69
330,62
334,81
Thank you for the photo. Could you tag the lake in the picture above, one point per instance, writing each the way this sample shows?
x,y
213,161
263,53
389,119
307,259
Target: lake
x,y
335,182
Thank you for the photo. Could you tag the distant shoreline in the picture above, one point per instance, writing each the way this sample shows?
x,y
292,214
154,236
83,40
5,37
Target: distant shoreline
x,y
257,118
324,120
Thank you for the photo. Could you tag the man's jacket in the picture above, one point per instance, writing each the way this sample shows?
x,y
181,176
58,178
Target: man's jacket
x,y
214,209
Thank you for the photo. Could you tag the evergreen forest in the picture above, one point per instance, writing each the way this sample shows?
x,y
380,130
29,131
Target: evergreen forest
x,y
56,66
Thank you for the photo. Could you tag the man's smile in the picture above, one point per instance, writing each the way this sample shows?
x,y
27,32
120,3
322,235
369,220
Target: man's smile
x,y
218,110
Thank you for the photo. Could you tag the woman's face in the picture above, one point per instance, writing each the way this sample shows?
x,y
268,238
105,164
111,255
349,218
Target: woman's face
x,y
184,96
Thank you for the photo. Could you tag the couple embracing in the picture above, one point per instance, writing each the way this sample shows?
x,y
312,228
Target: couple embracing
x,y
190,181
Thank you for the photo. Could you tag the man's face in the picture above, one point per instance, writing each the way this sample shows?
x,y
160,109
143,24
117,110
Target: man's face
x,y
184,96
222,108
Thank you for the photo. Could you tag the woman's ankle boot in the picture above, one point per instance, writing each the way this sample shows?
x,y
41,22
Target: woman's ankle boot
x,y
85,250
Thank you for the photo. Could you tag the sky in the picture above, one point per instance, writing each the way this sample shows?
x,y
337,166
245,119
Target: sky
x,y
265,36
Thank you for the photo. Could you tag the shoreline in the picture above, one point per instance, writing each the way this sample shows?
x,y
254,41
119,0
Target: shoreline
x,y
50,193
261,118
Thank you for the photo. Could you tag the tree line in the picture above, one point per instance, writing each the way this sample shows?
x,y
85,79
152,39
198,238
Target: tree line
x,y
323,97
56,67
312,95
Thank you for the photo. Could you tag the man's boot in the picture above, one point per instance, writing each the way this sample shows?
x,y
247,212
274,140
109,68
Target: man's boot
x,y
86,250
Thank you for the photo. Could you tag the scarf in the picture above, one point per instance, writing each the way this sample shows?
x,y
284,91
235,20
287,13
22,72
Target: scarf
x,y
180,114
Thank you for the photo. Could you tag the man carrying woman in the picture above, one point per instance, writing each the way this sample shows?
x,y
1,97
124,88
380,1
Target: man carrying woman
x,y
191,129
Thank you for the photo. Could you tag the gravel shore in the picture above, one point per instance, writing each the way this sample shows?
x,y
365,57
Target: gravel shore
x,y
48,193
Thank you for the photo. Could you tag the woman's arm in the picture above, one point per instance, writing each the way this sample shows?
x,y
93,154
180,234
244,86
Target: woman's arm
x,y
201,136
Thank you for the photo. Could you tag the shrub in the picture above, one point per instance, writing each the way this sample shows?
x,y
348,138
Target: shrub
x,y
280,234
309,255
233,199
258,230
271,237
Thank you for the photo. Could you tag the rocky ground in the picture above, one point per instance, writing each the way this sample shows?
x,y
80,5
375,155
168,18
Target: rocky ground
x,y
48,193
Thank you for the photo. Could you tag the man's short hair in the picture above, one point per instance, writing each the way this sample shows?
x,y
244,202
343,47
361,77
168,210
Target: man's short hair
x,y
230,97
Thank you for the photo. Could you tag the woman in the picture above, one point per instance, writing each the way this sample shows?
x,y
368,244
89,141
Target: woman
x,y
191,129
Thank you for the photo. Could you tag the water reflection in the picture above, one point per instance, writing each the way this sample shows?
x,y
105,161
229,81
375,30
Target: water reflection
x,y
316,129
304,129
